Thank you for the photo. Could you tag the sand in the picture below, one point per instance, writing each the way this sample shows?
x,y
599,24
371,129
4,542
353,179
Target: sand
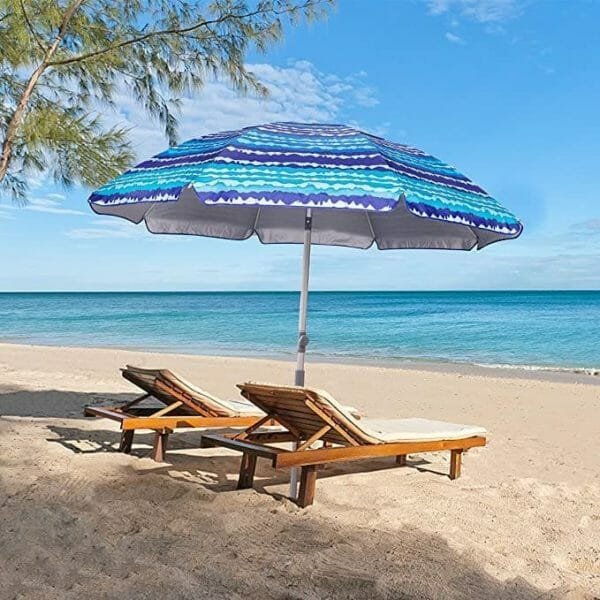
x,y
79,520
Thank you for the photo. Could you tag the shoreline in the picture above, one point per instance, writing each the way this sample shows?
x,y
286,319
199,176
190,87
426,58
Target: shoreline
x,y
524,372
512,334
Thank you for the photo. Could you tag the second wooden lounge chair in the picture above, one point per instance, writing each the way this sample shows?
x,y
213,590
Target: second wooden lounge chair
x,y
311,416
183,405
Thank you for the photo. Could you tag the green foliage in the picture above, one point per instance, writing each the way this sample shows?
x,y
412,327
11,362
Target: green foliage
x,y
64,61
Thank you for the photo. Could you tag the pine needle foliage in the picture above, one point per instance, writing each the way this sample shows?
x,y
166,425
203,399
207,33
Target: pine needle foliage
x,y
62,62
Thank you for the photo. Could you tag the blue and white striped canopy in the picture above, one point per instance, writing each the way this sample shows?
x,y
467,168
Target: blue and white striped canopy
x,y
260,180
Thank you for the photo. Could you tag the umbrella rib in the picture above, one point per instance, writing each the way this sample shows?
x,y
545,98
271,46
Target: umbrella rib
x,y
370,224
256,221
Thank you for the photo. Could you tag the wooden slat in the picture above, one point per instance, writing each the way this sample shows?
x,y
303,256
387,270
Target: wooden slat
x,y
135,401
275,400
291,403
167,409
145,380
181,421
192,403
335,438
347,453
108,413
313,438
148,411
308,418
301,425
244,434
301,414
211,440
271,437
283,421
334,424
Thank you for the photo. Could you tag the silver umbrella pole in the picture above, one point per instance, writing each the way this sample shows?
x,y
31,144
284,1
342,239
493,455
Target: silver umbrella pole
x,y
302,336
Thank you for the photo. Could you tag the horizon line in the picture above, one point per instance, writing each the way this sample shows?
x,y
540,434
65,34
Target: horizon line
x,y
297,291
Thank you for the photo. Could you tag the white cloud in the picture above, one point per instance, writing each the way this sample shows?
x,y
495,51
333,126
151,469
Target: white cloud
x,y
298,92
365,96
97,233
482,11
455,39
106,228
51,204
591,226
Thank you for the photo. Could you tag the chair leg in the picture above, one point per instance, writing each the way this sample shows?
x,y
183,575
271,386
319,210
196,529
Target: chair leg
x,y
160,446
126,441
455,460
247,469
308,483
401,460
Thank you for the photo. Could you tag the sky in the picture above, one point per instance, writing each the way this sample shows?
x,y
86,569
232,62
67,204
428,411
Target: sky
x,y
506,90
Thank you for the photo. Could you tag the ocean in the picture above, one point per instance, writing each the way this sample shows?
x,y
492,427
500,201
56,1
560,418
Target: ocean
x,y
533,330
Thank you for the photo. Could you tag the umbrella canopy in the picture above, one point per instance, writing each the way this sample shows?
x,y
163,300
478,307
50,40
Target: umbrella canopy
x,y
310,184
362,189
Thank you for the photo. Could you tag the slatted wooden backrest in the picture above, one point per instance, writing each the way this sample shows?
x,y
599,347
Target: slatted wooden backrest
x,y
168,387
194,396
146,380
305,411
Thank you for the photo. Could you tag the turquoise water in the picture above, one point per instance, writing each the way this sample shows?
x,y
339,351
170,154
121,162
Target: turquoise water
x,y
536,329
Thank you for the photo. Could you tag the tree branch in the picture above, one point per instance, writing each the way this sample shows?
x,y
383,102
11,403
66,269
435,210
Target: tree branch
x,y
19,112
32,31
177,31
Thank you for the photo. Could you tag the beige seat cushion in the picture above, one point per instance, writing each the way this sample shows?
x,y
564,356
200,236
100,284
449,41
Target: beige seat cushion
x,y
229,408
241,407
406,430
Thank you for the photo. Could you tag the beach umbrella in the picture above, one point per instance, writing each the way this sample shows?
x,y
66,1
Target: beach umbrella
x,y
296,183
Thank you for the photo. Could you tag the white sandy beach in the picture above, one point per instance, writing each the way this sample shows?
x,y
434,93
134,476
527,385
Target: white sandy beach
x,y
80,520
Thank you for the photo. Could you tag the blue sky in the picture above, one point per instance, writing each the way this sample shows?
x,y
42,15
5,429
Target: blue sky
x,y
507,90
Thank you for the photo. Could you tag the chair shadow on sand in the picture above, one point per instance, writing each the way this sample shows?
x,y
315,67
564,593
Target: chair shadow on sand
x,y
56,404
224,466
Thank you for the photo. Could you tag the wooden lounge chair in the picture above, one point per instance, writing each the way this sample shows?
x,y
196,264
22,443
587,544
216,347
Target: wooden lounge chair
x,y
311,416
183,405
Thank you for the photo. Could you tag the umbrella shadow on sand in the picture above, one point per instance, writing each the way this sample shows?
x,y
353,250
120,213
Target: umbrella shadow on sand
x,y
140,540
53,404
